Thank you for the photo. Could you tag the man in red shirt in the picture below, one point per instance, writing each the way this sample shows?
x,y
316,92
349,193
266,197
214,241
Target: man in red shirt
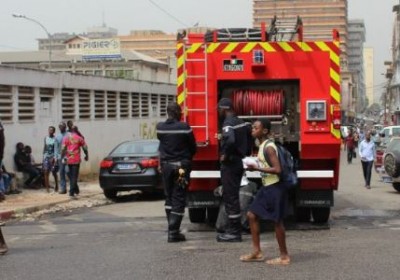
x,y
71,151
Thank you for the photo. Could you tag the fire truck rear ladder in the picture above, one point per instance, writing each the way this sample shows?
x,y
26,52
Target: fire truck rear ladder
x,y
284,29
198,93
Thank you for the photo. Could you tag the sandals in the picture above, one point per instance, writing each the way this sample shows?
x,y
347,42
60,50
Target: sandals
x,y
278,261
252,257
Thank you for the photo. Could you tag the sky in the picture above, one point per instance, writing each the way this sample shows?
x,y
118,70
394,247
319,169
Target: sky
x,y
75,16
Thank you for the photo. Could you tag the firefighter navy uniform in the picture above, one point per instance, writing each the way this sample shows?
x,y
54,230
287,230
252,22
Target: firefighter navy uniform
x,y
235,145
177,147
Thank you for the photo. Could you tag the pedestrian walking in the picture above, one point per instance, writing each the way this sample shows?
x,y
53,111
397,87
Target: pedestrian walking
x,y
367,155
177,148
71,151
270,202
235,145
3,245
50,158
61,161
350,145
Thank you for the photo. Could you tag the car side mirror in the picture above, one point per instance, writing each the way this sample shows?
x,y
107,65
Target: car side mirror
x,y
382,134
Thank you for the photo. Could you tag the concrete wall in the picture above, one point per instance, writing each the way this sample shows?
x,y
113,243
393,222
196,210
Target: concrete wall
x,y
101,134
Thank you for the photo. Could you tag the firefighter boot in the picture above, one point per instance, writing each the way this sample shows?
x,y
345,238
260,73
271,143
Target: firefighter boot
x,y
174,224
3,245
233,232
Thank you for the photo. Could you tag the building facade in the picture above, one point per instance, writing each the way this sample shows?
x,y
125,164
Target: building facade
x,y
356,39
369,76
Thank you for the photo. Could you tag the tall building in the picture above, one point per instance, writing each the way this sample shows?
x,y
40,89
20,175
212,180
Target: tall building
x,y
319,17
369,76
356,39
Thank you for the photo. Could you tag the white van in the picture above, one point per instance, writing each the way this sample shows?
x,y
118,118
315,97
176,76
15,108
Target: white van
x,y
387,132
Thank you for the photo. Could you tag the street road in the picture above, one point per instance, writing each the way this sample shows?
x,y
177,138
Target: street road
x,y
127,240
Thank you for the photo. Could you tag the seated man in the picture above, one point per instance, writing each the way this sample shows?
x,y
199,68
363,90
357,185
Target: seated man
x,y
23,162
9,181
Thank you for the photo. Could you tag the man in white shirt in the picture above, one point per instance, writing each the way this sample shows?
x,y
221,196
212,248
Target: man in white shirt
x,y
367,155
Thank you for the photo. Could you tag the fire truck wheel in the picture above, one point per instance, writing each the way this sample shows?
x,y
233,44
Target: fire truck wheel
x,y
320,214
212,215
197,215
303,214
396,186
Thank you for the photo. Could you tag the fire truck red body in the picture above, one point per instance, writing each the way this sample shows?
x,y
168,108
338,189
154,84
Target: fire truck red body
x,y
293,83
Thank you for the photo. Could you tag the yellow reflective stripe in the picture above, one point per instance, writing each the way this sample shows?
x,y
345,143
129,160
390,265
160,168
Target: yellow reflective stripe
x,y
304,46
248,47
230,47
212,47
335,76
194,47
267,47
181,97
181,79
335,58
335,132
323,46
335,95
181,61
286,47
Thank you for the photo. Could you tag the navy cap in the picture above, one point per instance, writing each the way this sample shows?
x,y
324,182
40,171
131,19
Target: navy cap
x,y
225,103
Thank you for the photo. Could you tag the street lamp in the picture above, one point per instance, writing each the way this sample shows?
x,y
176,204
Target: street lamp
x,y
45,30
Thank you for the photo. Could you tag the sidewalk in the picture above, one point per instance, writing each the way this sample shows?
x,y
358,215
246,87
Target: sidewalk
x,y
30,201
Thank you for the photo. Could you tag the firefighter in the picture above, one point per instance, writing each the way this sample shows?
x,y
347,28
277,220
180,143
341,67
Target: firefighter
x,y
235,145
177,147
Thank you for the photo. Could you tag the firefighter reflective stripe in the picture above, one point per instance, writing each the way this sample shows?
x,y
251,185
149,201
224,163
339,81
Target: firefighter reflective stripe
x,y
226,128
179,214
234,216
168,207
174,131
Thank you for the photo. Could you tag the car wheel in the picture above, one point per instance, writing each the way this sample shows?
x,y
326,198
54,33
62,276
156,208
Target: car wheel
x,y
391,166
197,215
320,214
212,215
396,186
110,194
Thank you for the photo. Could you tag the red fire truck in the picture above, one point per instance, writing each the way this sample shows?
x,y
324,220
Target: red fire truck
x,y
268,73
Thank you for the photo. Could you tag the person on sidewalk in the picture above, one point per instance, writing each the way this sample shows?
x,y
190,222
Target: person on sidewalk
x,y
177,148
235,145
23,163
270,202
350,145
71,151
3,245
50,156
61,162
367,155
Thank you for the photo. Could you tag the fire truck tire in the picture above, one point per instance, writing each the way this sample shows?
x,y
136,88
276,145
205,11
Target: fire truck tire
x,y
212,215
396,186
197,215
391,165
110,194
303,214
320,214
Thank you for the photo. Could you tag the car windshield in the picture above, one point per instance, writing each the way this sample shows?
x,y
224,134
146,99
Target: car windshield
x,y
396,131
150,147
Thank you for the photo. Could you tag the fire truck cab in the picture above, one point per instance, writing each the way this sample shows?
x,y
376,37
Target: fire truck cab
x,y
267,74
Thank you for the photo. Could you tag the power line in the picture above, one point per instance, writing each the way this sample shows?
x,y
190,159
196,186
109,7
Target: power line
x,y
167,13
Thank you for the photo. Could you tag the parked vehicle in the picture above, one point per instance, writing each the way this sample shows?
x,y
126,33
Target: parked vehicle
x,y
266,74
387,132
132,165
391,162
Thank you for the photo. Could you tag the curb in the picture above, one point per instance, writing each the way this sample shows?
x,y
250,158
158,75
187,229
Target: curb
x,y
10,214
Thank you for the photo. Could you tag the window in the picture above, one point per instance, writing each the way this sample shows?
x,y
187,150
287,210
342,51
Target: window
x,y
163,105
46,96
99,104
144,105
84,104
68,104
124,105
154,105
26,104
135,105
111,104
6,103
258,57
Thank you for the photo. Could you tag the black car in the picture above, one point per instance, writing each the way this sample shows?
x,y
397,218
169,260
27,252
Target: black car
x,y
132,165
